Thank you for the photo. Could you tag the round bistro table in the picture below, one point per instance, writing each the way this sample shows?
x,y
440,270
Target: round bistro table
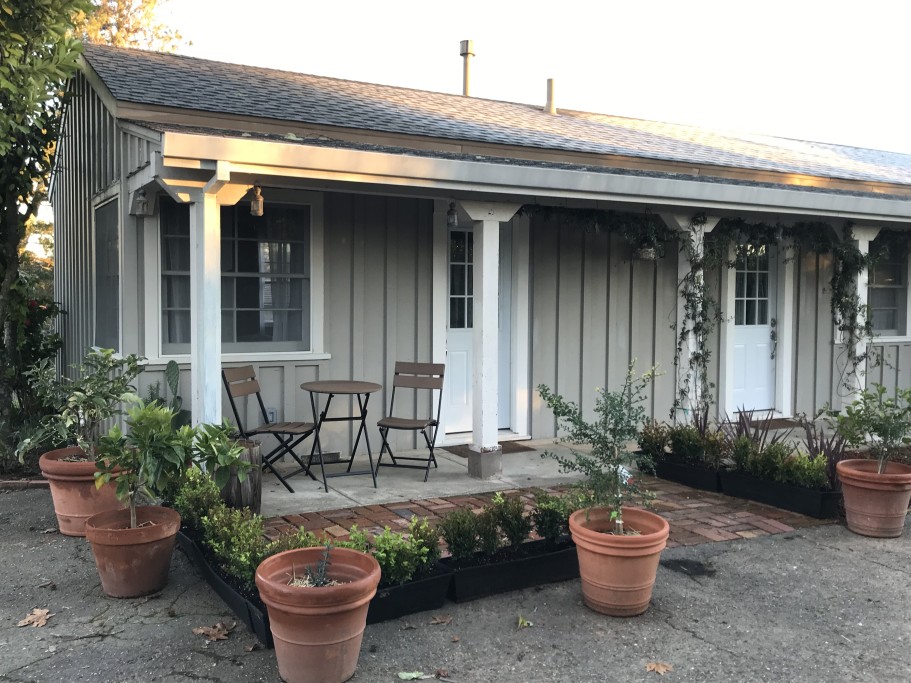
x,y
342,387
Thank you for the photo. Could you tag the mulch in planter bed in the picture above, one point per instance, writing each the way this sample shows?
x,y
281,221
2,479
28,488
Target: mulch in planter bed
x,y
535,564
821,504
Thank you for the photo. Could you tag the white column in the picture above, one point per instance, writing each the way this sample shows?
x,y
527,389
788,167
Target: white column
x,y
696,233
862,238
205,304
485,461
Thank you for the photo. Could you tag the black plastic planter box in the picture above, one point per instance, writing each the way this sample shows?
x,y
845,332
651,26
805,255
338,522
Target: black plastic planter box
x,y
253,615
534,567
810,502
393,602
695,477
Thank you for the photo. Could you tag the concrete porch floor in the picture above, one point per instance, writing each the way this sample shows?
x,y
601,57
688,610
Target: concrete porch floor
x,y
520,470
695,516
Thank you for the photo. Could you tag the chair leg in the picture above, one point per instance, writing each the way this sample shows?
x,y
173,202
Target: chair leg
x,y
431,458
384,432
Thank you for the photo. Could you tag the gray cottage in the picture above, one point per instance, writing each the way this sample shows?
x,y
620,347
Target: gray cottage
x,y
408,225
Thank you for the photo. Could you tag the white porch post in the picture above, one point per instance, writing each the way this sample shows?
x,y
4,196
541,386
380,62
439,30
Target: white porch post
x,y
696,233
862,238
485,459
205,308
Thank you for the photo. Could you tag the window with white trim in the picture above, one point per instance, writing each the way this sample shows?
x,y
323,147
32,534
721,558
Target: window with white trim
x,y
887,293
265,284
107,276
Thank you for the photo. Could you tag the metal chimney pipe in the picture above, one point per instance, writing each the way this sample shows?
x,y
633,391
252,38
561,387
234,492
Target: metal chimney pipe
x,y
551,106
466,50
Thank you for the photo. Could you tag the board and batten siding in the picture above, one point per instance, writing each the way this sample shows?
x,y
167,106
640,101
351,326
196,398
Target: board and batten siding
x,y
378,286
94,156
594,309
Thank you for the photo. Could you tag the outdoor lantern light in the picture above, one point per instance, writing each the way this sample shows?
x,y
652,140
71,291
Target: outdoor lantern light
x,y
452,216
256,204
140,204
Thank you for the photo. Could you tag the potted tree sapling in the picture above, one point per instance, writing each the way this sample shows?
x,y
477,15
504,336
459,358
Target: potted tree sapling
x,y
133,547
95,392
876,492
619,545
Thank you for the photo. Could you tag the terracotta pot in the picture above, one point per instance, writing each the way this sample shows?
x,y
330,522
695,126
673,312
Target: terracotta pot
x,y
133,562
875,504
318,631
618,572
73,490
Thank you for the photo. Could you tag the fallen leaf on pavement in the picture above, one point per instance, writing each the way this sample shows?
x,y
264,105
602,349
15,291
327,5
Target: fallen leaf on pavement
x,y
523,622
456,639
442,673
47,584
659,668
218,632
441,619
37,617
253,646
413,676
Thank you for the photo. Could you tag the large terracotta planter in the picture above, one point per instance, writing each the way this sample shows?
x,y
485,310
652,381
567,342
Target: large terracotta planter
x,y
133,562
73,490
875,504
318,631
618,572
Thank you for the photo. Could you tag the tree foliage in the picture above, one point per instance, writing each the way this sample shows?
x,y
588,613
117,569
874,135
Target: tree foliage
x,y
38,53
128,23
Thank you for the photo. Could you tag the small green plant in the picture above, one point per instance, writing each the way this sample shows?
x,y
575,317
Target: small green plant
x,y
769,463
424,535
96,391
743,451
318,574
510,517
618,416
687,444
830,448
805,471
459,530
236,539
152,457
489,539
300,539
653,439
197,495
878,420
175,403
400,557
551,516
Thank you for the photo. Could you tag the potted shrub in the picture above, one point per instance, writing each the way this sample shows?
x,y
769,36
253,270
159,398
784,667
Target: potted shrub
x,y
619,546
775,472
491,552
694,455
95,393
133,547
411,579
876,491
317,600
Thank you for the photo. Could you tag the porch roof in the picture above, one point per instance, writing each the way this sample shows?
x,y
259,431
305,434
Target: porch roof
x,y
156,80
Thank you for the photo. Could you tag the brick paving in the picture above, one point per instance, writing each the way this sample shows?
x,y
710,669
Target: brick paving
x,y
695,516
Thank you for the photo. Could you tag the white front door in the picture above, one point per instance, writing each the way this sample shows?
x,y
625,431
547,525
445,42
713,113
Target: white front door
x,y
755,306
459,331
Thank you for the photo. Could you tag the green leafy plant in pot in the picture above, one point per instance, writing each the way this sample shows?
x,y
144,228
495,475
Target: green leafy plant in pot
x,y
876,492
95,392
133,547
619,545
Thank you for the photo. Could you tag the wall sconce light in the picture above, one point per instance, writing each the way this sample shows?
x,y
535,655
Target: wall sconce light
x,y
139,207
452,216
256,204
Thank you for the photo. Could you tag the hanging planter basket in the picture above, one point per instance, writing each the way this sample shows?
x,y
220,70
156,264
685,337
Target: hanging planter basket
x,y
646,254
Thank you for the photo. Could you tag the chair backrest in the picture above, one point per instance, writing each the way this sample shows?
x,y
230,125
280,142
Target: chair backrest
x,y
240,382
418,376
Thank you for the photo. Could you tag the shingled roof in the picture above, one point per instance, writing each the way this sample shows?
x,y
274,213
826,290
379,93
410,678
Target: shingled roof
x,y
153,78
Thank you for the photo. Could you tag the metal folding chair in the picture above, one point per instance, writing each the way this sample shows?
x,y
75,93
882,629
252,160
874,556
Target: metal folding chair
x,y
241,382
417,376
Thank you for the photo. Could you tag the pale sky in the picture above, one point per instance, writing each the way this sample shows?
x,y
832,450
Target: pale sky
x,y
833,71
